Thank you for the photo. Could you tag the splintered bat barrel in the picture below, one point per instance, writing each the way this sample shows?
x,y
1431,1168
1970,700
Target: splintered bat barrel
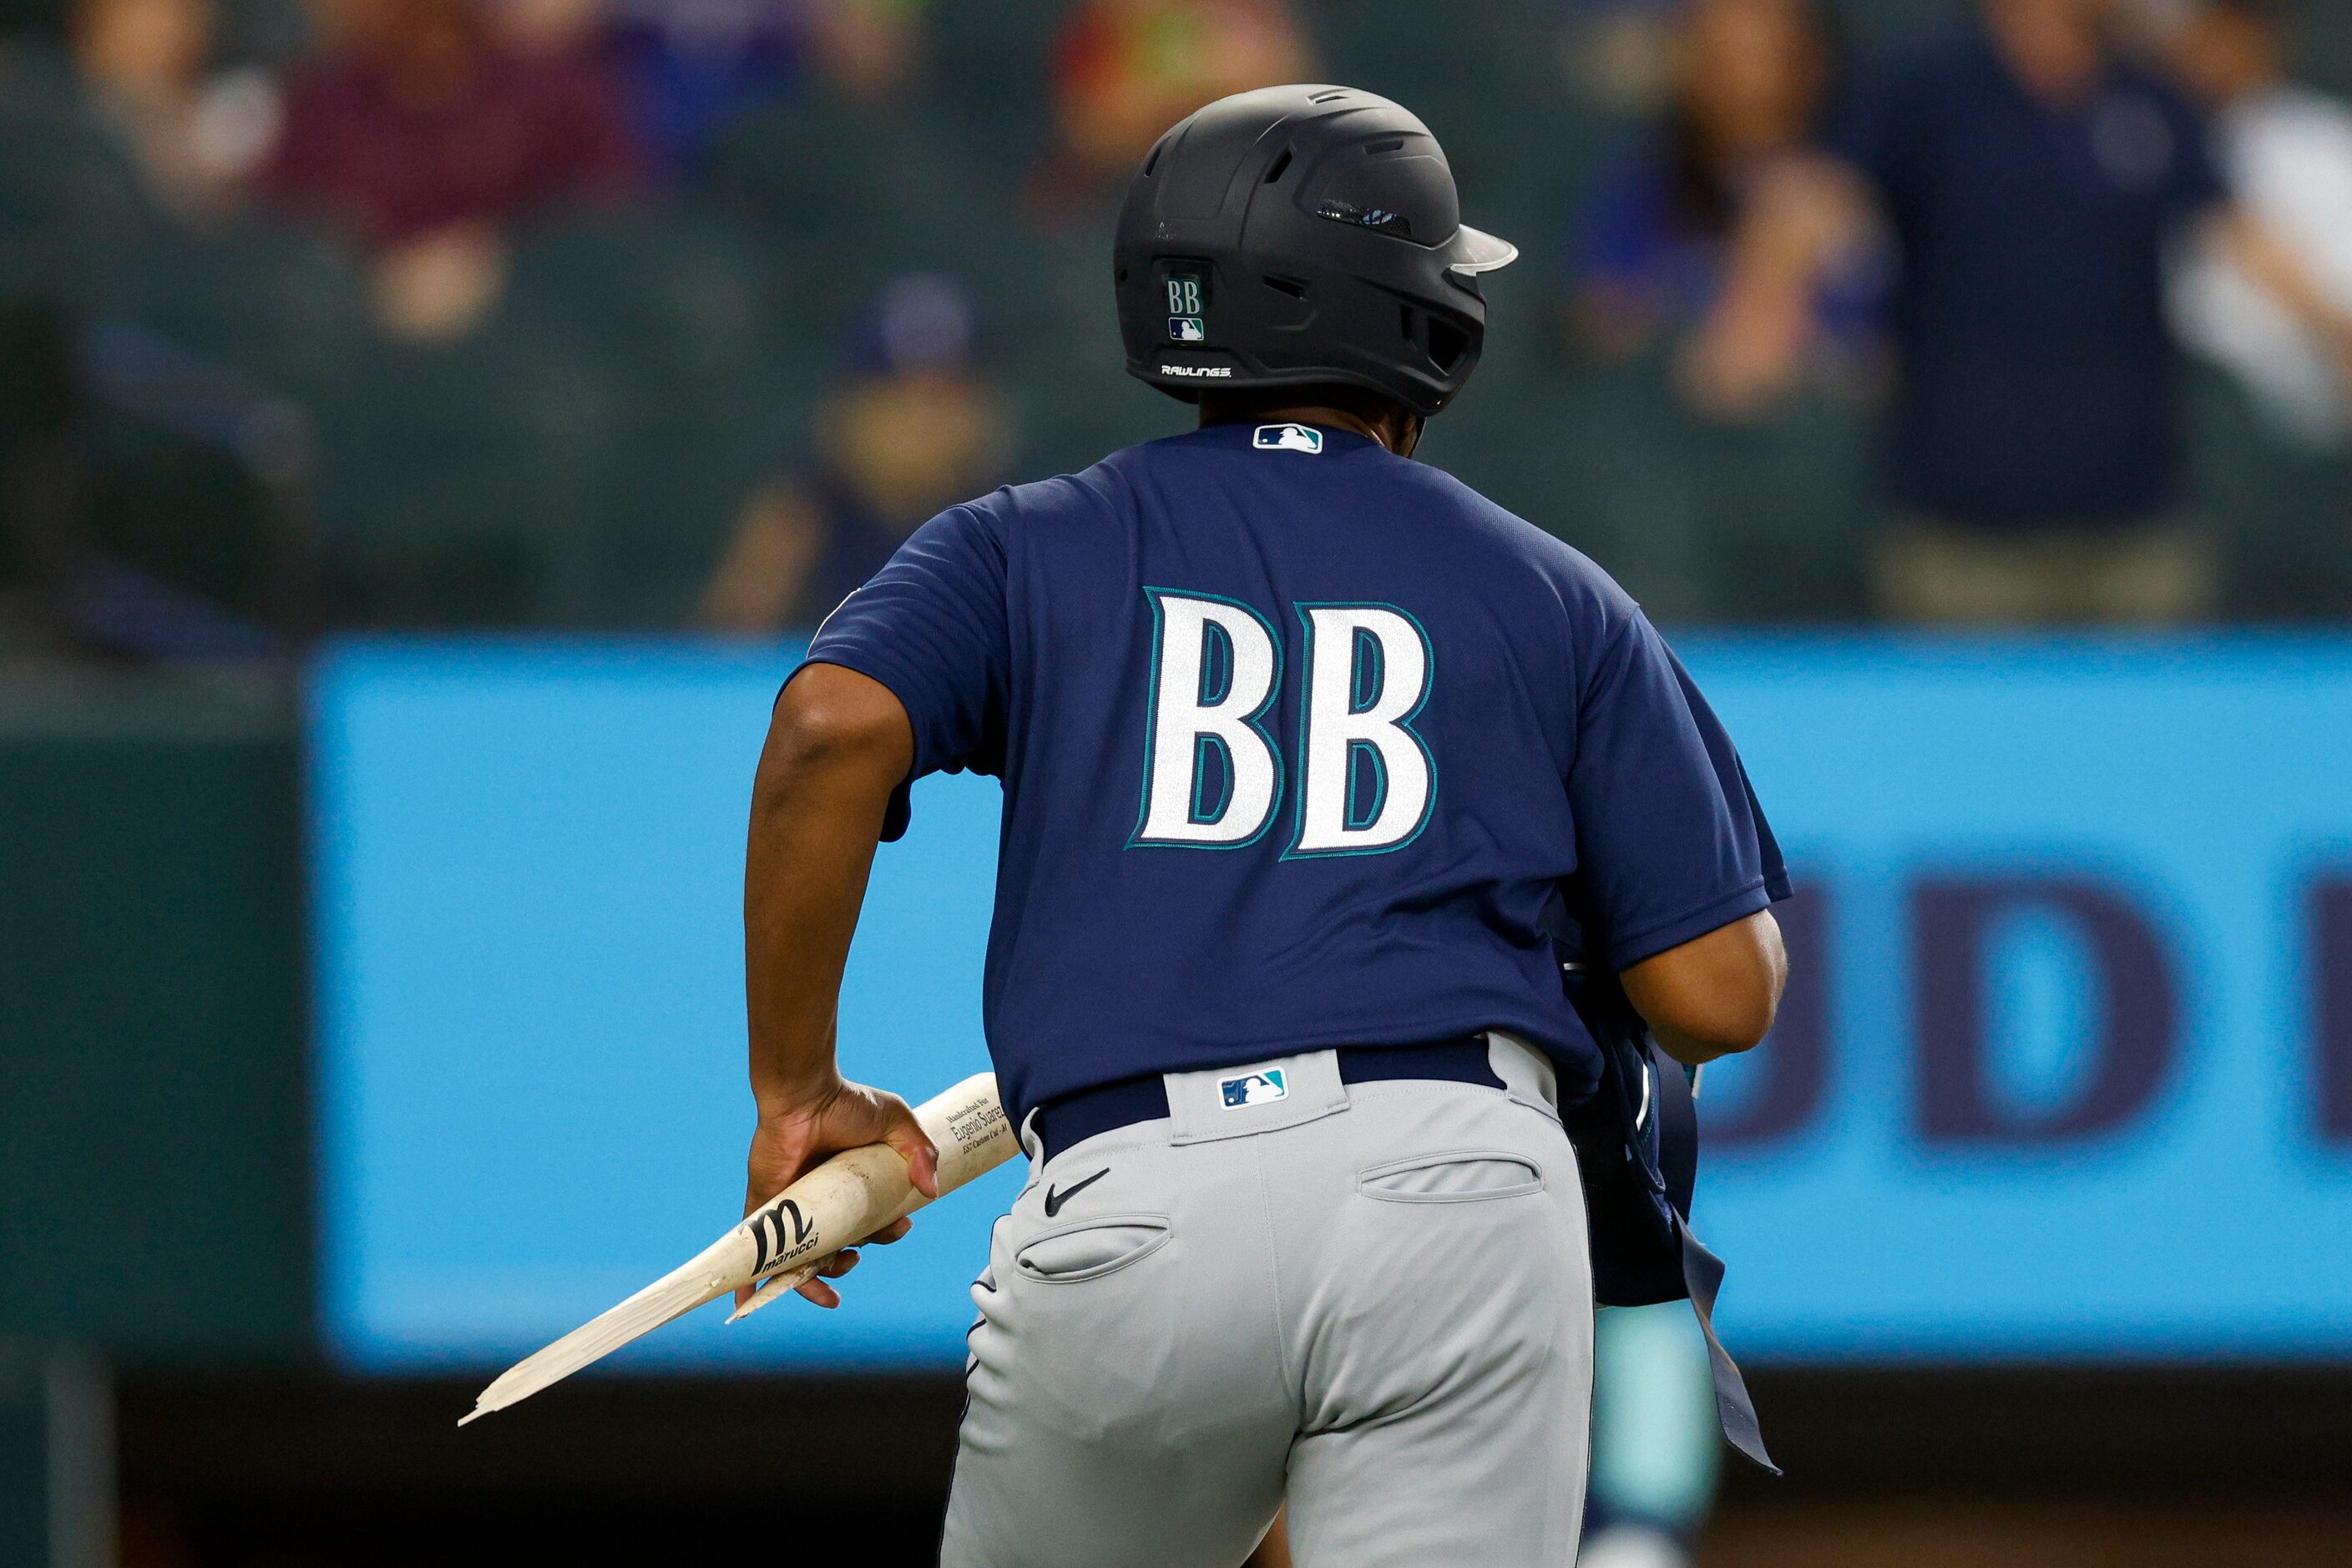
x,y
779,1244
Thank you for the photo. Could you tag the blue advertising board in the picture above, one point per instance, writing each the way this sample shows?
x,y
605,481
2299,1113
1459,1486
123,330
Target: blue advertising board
x,y
2065,1069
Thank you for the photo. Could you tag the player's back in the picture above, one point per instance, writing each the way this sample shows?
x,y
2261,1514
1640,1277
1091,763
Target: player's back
x,y
1288,728
1317,768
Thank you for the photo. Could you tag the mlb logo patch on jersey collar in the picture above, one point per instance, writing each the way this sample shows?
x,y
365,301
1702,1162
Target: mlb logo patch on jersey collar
x,y
1254,1088
1288,438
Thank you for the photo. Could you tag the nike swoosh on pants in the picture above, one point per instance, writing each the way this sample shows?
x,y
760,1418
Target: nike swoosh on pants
x,y
1054,1200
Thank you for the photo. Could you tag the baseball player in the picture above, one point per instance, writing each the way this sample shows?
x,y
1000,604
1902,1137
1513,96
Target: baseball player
x,y
1308,753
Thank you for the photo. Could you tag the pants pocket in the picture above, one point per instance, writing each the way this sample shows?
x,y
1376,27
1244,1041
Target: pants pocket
x,y
1091,1249
1465,1177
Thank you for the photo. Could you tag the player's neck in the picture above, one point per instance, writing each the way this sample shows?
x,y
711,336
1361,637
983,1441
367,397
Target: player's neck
x,y
1395,428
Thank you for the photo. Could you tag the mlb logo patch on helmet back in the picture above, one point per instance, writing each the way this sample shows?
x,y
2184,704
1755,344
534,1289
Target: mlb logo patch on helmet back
x,y
1288,438
1254,1088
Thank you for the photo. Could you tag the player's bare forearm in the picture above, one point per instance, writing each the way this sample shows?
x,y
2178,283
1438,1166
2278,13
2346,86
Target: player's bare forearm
x,y
1714,995
838,746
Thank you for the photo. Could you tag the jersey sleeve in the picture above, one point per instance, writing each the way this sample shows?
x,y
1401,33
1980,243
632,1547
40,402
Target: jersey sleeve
x,y
932,626
1671,841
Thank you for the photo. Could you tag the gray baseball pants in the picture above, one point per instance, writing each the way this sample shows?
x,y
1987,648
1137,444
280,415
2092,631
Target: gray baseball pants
x,y
1373,1300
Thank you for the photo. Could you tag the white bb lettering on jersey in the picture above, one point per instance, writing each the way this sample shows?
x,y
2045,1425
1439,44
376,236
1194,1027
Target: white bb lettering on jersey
x,y
1368,673
1216,665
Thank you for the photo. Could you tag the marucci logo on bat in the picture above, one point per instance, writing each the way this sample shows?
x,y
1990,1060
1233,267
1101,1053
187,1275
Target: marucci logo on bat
x,y
769,1239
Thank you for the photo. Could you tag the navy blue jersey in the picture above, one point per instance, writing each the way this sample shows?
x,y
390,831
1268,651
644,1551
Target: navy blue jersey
x,y
1302,744
2038,370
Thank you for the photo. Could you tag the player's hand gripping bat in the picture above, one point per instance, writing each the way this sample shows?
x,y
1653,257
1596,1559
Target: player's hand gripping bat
x,y
779,1244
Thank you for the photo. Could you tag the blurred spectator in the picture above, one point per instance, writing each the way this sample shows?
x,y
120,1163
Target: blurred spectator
x,y
866,51
1704,518
423,136
691,68
1752,79
550,28
199,134
1621,54
688,66
851,153
1125,70
2288,154
166,546
2032,179
912,427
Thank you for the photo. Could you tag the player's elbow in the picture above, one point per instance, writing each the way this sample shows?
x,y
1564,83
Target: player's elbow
x,y
1740,1021
833,723
1724,1027
1716,996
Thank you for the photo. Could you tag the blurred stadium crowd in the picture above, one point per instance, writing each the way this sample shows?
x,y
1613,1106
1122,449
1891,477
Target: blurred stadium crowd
x,y
675,312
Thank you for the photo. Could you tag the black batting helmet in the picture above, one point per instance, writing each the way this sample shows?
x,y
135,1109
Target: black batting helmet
x,y
1298,236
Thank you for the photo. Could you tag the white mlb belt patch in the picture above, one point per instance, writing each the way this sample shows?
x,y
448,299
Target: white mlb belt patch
x,y
1288,438
1254,1088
